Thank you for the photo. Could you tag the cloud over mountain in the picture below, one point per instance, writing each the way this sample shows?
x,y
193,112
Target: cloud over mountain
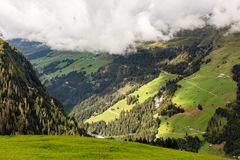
x,y
110,25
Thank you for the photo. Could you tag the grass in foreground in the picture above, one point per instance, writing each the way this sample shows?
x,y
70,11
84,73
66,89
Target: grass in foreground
x,y
70,147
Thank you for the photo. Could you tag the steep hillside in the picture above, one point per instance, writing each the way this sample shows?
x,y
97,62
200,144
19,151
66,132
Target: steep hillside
x,y
223,128
64,71
60,64
211,87
32,50
68,147
25,106
139,96
70,72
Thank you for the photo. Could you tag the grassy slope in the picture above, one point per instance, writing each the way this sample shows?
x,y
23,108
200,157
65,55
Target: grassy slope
x,y
144,92
67,147
206,87
82,60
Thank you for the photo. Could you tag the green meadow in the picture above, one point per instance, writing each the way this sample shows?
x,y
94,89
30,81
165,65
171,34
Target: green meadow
x,y
212,87
144,92
82,61
73,147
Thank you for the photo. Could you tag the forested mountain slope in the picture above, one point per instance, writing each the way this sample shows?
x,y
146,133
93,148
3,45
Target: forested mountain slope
x,y
64,71
25,106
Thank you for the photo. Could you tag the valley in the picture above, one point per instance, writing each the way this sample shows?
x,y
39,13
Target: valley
x,y
120,80
165,90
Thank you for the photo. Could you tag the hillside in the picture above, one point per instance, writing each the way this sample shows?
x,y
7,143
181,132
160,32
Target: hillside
x,y
63,71
70,72
32,50
211,87
25,106
143,93
67,147
63,63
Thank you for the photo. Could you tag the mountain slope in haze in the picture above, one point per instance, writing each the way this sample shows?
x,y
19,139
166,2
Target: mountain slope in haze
x,y
32,50
64,71
71,72
25,106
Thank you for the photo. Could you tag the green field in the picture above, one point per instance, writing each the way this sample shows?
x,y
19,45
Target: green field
x,y
83,61
212,87
72,148
144,92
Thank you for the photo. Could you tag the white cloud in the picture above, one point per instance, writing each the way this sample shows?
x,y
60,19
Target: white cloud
x,y
110,25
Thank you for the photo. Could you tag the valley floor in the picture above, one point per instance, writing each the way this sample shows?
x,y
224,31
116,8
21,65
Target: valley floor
x,y
70,147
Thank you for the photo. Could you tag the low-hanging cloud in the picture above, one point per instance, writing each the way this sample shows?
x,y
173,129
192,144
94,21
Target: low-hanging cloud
x,y
110,25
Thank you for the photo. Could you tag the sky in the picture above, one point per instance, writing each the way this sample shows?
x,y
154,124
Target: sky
x,y
111,25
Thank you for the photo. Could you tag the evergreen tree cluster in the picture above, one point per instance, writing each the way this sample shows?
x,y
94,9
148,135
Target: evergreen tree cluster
x,y
188,143
135,124
171,110
25,106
